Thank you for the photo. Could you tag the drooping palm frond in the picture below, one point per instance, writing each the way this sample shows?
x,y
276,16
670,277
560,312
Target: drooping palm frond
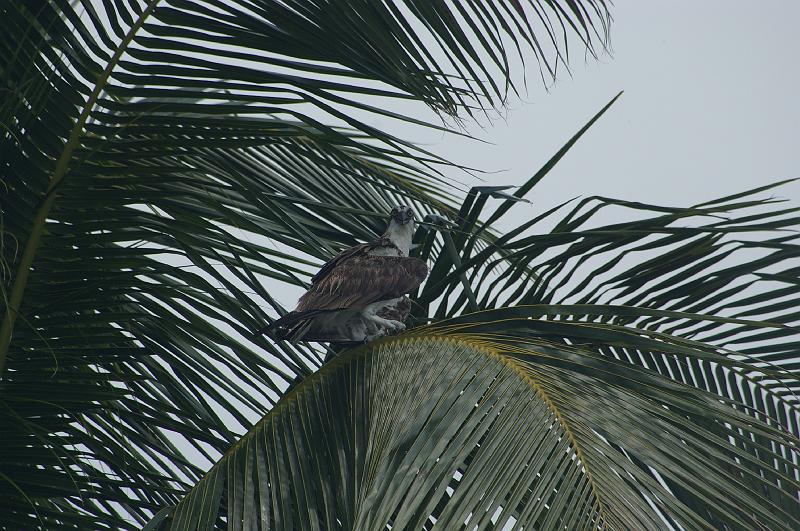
x,y
490,420
145,145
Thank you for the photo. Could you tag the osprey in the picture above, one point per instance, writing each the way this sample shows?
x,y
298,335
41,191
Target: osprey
x,y
359,295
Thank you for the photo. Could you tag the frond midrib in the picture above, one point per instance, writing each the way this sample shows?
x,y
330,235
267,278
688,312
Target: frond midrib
x,y
539,390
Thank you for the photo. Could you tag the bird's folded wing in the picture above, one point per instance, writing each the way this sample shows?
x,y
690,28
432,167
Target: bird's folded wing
x,y
361,280
357,250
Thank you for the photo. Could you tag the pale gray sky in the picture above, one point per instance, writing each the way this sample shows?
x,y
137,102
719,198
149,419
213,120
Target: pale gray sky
x,y
710,107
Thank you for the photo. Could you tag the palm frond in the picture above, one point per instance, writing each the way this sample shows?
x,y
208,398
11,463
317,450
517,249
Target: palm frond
x,y
486,421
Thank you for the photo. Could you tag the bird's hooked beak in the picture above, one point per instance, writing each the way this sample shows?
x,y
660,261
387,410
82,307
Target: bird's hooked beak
x,y
402,214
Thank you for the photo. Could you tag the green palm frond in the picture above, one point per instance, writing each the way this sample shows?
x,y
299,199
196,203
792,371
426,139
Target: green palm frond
x,y
489,420
148,149
731,258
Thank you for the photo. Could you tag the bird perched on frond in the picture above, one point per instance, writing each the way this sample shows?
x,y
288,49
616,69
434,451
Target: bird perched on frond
x,y
359,295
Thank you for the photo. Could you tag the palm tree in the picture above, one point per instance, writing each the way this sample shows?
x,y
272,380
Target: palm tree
x,y
167,163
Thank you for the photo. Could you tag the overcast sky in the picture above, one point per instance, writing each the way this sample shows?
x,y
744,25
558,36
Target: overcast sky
x,y
710,107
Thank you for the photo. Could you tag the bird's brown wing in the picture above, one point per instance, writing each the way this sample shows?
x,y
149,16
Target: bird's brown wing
x,y
359,280
351,252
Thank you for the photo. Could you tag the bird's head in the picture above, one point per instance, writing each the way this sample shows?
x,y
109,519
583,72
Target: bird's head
x,y
402,214
401,228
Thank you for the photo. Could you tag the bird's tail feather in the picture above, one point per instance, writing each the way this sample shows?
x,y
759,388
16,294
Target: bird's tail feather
x,y
291,325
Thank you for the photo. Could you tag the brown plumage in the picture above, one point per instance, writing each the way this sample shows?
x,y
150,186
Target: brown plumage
x,y
356,250
363,279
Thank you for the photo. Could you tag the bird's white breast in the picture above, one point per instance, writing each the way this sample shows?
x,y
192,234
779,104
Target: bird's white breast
x,y
400,235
